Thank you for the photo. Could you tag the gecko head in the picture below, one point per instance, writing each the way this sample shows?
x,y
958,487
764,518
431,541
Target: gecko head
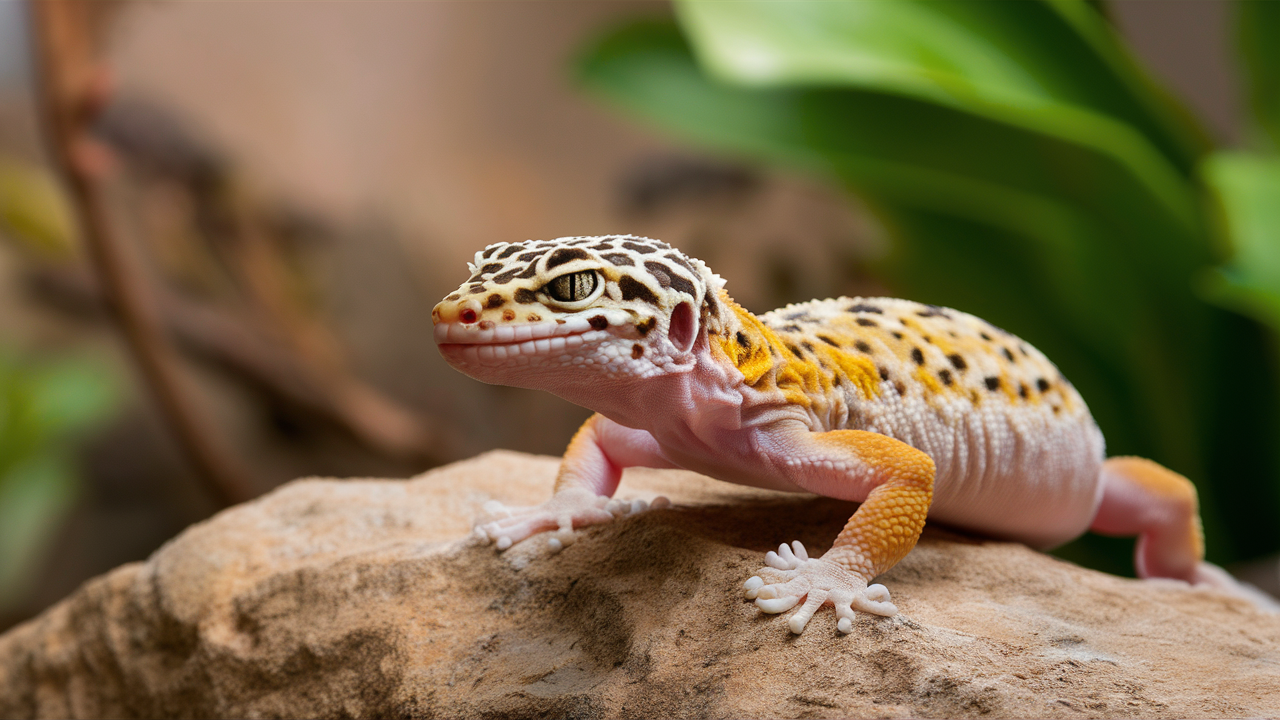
x,y
550,314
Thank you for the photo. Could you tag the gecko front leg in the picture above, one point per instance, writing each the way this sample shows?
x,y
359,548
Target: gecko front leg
x,y
588,477
894,482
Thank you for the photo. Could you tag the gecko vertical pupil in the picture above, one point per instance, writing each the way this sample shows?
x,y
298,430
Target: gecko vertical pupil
x,y
572,287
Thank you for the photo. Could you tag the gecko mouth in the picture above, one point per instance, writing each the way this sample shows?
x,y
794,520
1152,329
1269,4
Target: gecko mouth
x,y
507,344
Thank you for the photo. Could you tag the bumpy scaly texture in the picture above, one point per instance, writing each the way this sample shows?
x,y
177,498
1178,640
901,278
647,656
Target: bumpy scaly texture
x,y
913,410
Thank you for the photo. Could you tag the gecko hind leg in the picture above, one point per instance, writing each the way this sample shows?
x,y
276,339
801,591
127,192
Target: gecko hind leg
x,y
1159,506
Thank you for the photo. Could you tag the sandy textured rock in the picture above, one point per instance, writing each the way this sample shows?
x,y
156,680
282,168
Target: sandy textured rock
x,y
356,598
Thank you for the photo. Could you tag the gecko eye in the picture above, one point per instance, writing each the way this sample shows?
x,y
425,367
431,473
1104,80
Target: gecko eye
x,y
574,288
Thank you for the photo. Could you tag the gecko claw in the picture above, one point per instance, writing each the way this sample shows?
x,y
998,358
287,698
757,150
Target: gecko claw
x,y
566,510
791,576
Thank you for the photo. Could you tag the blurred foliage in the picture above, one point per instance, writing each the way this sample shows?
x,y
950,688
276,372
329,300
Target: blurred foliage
x,y
33,209
1030,173
45,408
1257,25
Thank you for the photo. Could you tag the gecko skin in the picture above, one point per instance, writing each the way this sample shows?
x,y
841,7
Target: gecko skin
x,y
913,410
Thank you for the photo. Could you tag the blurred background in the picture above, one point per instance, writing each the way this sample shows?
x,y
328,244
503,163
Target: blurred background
x,y
223,226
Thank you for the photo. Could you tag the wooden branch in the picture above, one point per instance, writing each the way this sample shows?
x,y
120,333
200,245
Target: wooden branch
x,y
73,85
214,336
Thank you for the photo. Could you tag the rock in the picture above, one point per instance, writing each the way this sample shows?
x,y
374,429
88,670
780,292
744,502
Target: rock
x,y
358,598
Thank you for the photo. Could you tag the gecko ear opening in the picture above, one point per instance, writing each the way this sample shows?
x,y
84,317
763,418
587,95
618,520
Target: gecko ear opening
x,y
683,327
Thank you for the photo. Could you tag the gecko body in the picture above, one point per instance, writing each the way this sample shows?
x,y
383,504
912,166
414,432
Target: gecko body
x,y
913,410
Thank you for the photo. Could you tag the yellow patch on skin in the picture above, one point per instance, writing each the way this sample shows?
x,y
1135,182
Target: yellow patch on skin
x,y
796,379
860,370
931,383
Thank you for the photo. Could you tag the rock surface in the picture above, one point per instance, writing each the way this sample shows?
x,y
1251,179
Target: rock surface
x,y
358,599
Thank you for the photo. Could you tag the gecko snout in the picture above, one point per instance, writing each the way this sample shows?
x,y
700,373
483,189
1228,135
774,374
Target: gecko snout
x,y
466,312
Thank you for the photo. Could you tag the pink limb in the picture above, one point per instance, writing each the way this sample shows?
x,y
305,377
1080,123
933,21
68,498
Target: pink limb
x,y
588,477
1140,497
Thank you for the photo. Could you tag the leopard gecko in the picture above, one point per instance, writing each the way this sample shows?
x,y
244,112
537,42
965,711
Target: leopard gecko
x,y
912,410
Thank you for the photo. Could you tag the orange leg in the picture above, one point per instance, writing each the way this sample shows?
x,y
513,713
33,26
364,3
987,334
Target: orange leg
x,y
1140,497
893,480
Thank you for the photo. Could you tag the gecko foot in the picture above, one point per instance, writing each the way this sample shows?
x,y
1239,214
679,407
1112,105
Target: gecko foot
x,y
566,510
791,576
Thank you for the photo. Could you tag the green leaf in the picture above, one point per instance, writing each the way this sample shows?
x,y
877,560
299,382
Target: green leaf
x,y
1248,190
72,395
33,208
44,409
34,499
1054,67
1257,29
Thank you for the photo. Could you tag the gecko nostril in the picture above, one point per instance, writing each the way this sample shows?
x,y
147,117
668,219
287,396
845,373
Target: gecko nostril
x,y
468,316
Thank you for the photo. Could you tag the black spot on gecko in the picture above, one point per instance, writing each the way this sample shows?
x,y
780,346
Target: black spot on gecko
x,y
637,351
1023,349
633,289
529,272
927,339
1022,390
902,389
509,251
790,328
957,362
495,301
602,246
1007,355
984,336
490,268
917,356
531,256
884,372
642,249
807,345
868,322
1043,385
506,277
710,302
993,382
932,311
863,307
525,296
897,335
675,258
742,339
477,288
564,255
598,322
830,342
796,351
945,375
645,327
454,296
619,259
660,272
800,315
862,346
678,282
489,251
